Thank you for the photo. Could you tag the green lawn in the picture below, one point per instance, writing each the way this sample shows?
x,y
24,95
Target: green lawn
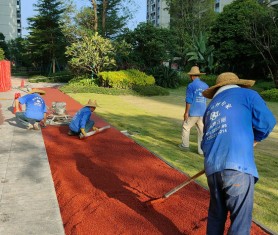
x,y
155,122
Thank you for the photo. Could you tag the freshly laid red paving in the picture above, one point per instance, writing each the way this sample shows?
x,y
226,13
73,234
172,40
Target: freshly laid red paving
x,y
103,182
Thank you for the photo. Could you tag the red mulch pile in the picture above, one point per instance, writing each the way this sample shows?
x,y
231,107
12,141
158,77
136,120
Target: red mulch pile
x,y
103,182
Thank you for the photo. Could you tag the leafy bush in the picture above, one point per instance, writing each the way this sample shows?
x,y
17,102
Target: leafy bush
x,y
124,79
165,77
270,95
263,85
2,54
37,78
208,79
74,88
152,90
63,76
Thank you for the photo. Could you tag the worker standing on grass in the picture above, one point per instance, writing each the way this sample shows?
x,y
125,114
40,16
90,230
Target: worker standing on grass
x,y
235,120
81,123
194,109
35,111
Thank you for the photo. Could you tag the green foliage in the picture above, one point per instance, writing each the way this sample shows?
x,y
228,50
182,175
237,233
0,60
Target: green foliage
x,y
201,53
91,54
270,95
92,88
2,55
117,14
3,44
234,50
63,77
150,45
46,40
188,19
124,79
165,76
207,78
19,52
152,90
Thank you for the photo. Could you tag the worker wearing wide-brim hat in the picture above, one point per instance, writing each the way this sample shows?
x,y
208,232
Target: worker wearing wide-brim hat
x,y
35,111
195,106
81,122
235,120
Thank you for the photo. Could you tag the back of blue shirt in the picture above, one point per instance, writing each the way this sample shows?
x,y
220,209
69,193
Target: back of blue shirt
x,y
80,119
35,106
195,98
233,120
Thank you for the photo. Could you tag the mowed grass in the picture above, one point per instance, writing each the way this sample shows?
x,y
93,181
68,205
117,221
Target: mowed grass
x,y
156,122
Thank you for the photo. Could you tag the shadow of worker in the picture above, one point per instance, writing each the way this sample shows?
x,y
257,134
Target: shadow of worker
x,y
105,180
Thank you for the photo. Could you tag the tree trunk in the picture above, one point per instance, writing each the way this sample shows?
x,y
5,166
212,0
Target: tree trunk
x,y
104,6
53,65
94,3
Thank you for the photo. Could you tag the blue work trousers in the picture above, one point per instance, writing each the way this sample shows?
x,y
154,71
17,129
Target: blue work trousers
x,y
25,120
230,191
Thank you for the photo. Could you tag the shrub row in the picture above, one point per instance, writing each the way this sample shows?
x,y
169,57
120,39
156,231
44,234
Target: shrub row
x,y
124,79
270,95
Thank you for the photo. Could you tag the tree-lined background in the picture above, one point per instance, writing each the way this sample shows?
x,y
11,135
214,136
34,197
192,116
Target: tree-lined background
x,y
241,39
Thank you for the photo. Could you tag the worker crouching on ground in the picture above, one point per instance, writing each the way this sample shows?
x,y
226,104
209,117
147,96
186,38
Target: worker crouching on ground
x,y
235,120
35,109
81,123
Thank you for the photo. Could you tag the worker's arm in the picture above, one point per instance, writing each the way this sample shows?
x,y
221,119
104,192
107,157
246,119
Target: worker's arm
x,y
186,112
83,131
16,102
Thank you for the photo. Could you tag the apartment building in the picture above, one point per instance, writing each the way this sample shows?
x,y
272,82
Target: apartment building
x,y
219,4
10,18
157,13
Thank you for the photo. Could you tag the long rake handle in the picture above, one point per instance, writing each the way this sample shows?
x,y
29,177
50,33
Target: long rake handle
x,y
183,184
99,130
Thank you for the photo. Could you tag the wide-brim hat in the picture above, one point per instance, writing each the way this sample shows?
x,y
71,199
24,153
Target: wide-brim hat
x,y
195,71
92,103
41,92
227,79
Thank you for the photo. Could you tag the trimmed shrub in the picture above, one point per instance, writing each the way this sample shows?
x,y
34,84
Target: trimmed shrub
x,y
63,76
165,77
270,95
124,79
152,90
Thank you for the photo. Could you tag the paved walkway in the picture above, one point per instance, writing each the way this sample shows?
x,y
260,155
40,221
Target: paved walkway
x,y
28,203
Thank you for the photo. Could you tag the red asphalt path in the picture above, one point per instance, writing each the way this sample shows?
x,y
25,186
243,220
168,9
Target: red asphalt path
x,y
103,182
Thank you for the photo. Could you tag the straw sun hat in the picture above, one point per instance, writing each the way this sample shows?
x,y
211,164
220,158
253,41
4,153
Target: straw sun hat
x,y
195,71
92,103
227,79
41,92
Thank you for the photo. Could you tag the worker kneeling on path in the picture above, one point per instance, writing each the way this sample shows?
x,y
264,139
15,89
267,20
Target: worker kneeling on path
x,y
81,123
35,111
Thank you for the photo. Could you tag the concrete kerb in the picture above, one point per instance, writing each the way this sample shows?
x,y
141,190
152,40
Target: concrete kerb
x,y
28,202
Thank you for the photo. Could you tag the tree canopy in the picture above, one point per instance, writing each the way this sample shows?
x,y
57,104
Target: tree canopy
x,y
47,42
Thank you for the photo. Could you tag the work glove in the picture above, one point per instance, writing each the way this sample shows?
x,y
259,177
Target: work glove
x,y
95,129
82,134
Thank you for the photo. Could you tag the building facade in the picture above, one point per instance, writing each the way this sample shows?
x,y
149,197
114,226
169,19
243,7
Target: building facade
x,y
157,13
219,4
10,18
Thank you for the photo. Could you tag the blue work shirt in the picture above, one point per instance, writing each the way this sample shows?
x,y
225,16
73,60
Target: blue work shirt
x,y
80,119
233,120
195,98
35,106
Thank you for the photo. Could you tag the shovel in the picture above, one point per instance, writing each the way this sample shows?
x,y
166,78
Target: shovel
x,y
161,199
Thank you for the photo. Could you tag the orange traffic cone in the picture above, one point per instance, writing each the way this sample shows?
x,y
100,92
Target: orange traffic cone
x,y
22,83
16,96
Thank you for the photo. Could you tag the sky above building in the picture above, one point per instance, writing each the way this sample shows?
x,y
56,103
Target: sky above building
x,y
138,8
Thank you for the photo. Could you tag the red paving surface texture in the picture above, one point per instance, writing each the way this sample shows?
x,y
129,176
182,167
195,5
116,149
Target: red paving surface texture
x,y
103,182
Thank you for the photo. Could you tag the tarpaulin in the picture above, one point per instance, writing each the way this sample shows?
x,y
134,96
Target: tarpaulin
x,y
5,75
